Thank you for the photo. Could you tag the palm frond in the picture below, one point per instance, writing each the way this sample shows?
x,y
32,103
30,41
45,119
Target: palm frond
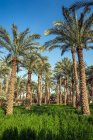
x,y
80,4
23,35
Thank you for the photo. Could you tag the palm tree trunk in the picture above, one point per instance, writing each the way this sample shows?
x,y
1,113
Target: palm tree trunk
x,y
7,82
60,91
65,93
0,89
57,93
10,96
66,90
41,92
84,95
28,91
47,91
39,89
45,98
75,76
73,94
6,88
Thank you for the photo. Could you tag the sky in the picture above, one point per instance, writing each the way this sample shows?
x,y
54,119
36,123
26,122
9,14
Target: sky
x,y
38,15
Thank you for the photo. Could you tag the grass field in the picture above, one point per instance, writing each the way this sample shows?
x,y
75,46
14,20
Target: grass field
x,y
52,122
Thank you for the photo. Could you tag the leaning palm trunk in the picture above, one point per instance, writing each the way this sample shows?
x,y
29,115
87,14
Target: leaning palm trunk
x,y
10,96
39,89
84,95
28,94
75,76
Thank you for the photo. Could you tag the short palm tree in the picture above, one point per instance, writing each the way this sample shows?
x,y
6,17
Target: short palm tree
x,y
29,61
20,43
47,79
40,68
63,69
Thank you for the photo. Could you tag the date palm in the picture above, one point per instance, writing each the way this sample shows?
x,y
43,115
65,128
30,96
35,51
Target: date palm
x,y
29,62
47,79
5,73
63,70
89,79
16,45
76,31
40,69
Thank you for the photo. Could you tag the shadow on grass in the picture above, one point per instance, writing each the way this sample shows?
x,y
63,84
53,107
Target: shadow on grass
x,y
48,109
28,134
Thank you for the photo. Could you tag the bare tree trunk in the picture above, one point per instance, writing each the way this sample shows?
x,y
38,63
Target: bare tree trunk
x,y
10,97
84,95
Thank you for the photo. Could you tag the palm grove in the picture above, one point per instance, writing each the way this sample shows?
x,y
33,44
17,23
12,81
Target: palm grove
x,y
71,81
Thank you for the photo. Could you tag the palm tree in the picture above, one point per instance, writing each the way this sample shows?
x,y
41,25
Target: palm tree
x,y
47,80
75,31
20,43
89,79
65,44
29,62
63,69
40,68
4,74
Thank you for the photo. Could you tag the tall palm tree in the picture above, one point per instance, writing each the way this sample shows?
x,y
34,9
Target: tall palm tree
x,y
16,46
76,31
65,44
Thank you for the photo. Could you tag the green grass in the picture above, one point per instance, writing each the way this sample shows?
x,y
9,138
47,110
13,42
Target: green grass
x,y
52,122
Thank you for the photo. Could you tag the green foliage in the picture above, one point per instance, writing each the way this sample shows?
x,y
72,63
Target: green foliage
x,y
53,122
